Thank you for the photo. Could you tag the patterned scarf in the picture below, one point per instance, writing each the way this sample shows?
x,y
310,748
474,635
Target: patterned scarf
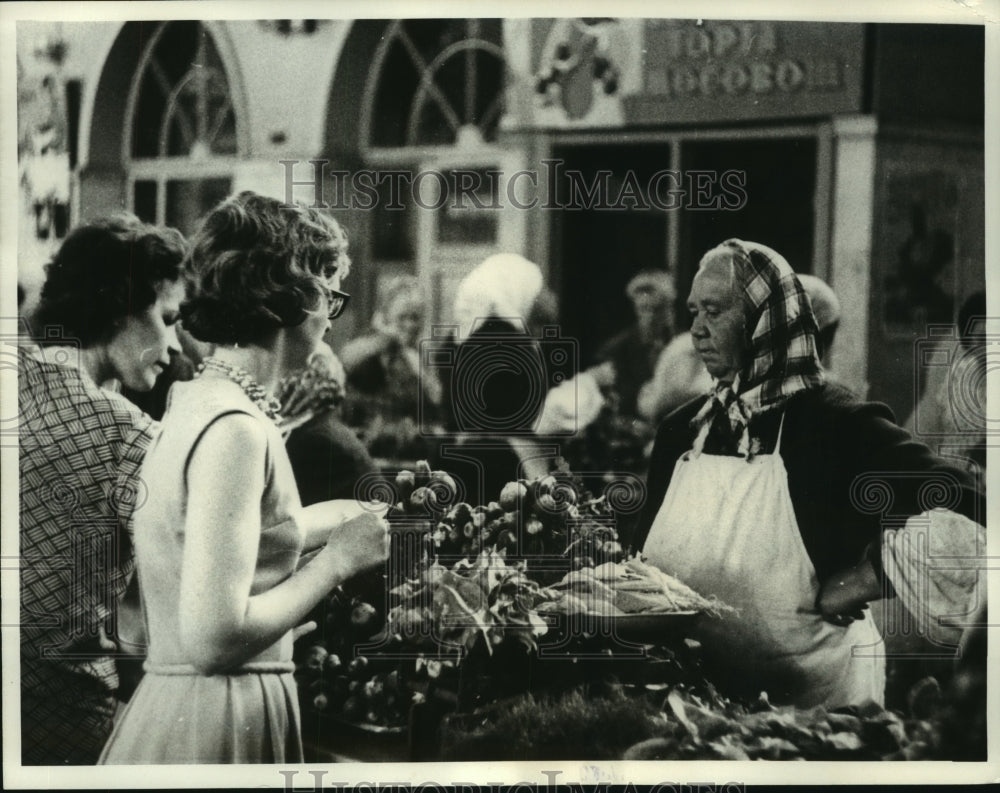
x,y
311,391
783,356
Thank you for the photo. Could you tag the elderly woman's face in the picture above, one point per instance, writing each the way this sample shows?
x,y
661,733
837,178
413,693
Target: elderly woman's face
x,y
140,351
718,326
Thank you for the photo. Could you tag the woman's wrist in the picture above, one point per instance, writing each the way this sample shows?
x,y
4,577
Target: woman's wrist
x,y
318,520
335,567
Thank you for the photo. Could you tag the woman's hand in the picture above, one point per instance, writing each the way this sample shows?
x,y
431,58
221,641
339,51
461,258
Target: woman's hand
x,y
845,595
361,541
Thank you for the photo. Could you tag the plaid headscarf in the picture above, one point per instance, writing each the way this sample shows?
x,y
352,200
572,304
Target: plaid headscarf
x,y
782,342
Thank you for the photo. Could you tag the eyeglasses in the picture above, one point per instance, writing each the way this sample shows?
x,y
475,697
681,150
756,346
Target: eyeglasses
x,y
336,302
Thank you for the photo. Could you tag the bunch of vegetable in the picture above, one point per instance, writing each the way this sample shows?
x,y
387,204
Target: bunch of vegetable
x,y
628,587
449,612
552,517
423,498
423,493
336,678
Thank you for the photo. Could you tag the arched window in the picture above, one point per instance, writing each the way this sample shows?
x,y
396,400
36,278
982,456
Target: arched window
x,y
432,100
181,143
435,82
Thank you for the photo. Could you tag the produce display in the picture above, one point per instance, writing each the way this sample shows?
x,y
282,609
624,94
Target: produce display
x,y
452,610
708,729
543,520
470,641
337,679
480,580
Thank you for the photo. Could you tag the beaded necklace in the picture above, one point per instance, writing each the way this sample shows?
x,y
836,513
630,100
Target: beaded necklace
x,y
268,405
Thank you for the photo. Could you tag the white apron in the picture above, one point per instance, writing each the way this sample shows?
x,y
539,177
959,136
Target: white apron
x,y
727,527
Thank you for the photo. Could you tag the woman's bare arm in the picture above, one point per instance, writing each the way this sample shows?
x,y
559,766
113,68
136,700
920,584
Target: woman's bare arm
x,y
221,624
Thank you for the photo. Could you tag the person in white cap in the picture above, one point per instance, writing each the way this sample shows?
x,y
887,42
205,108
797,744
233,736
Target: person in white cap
x,y
500,308
494,388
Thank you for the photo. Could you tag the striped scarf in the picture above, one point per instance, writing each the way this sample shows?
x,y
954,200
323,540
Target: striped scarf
x,y
783,356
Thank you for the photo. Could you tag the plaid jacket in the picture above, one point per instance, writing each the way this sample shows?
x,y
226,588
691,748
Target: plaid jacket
x,y
80,452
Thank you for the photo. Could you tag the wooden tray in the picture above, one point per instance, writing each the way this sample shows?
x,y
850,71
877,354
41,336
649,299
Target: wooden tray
x,y
645,628
651,627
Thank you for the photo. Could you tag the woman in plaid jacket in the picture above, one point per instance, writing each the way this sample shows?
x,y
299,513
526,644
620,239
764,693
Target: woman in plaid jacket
x,y
107,316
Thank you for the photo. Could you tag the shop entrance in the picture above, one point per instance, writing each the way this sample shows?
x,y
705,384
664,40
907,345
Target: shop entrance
x,y
778,202
763,190
597,248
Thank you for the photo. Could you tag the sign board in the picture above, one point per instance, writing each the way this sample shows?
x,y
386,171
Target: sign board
x,y
656,72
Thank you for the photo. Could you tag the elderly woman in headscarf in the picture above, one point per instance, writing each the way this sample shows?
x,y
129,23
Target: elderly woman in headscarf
x,y
680,374
495,385
772,493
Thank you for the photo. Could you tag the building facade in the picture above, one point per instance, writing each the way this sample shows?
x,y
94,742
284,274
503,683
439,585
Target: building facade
x,y
596,147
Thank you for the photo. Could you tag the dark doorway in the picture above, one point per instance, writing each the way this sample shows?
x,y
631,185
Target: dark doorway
x,y
780,186
597,248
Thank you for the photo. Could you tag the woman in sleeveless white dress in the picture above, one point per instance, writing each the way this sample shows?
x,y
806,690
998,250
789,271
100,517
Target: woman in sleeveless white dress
x,y
218,542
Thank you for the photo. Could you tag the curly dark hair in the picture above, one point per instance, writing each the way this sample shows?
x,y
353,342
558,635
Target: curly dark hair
x,y
104,272
257,265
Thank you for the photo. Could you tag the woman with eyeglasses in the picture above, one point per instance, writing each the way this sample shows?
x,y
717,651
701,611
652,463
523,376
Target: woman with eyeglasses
x,y
220,539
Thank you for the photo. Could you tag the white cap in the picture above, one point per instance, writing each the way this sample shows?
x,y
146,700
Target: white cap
x,y
825,305
504,285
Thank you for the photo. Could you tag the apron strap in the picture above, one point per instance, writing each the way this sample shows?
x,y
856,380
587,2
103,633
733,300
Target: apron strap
x,y
781,427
